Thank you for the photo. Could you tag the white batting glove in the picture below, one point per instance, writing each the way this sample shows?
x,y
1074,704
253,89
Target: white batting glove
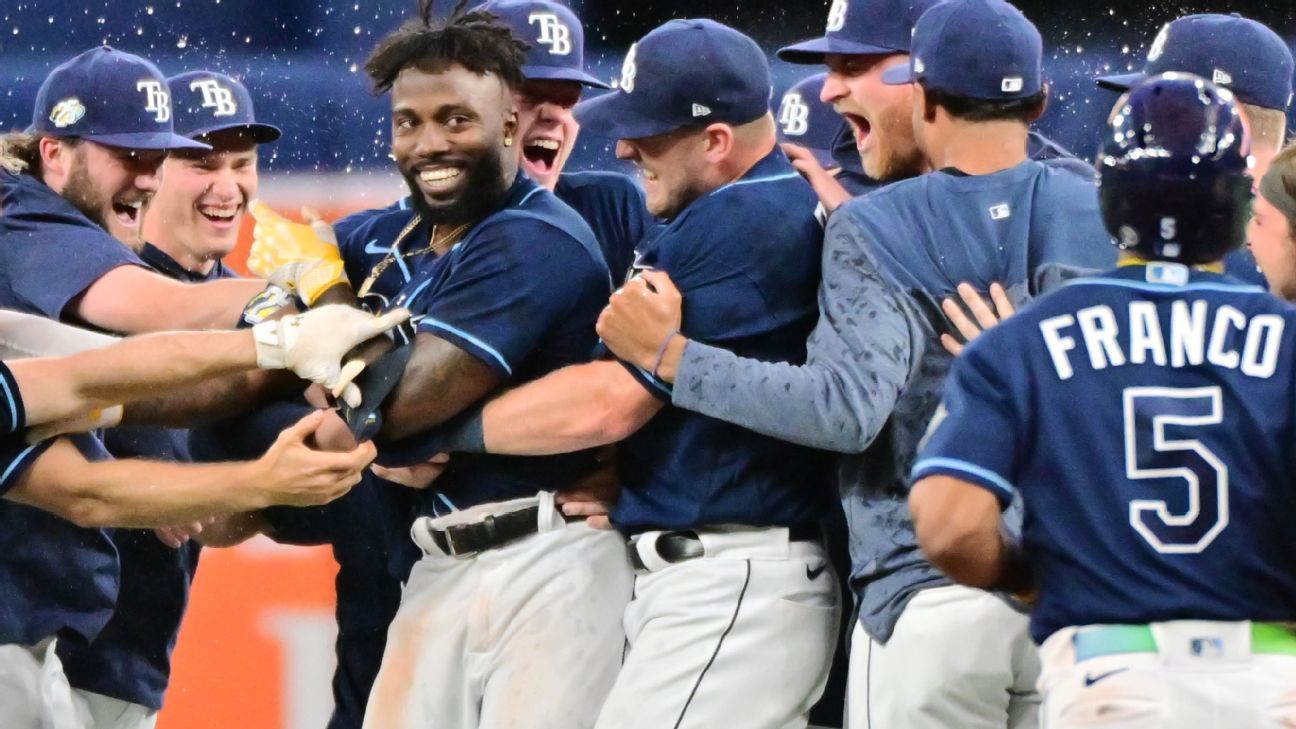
x,y
313,344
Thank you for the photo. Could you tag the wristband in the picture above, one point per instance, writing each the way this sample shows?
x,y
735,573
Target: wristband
x,y
661,352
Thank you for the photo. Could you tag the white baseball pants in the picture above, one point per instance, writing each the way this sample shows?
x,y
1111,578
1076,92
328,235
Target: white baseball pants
x,y
1201,675
34,692
742,637
523,636
959,657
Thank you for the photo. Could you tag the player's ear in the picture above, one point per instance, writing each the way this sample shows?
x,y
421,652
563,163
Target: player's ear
x,y
56,159
719,141
510,124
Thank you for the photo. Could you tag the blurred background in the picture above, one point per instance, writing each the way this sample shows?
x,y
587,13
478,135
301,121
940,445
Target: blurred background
x,y
256,651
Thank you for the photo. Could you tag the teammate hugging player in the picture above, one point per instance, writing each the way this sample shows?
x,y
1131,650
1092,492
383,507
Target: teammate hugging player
x,y
1185,379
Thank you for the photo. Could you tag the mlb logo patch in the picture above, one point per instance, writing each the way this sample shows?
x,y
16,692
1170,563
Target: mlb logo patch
x,y
1209,647
1012,84
1000,211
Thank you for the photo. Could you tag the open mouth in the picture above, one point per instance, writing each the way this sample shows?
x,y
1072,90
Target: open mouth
x,y
439,178
860,126
221,217
541,155
128,213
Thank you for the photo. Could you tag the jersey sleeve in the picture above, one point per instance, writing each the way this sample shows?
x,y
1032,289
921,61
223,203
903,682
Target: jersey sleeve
x,y
976,434
16,456
48,267
507,289
13,418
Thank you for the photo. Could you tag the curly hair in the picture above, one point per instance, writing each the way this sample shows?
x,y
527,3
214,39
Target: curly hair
x,y
478,41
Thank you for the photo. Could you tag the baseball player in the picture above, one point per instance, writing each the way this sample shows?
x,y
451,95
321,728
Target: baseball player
x,y
987,214
611,203
1157,555
189,225
1243,56
862,39
1271,232
63,477
733,596
513,283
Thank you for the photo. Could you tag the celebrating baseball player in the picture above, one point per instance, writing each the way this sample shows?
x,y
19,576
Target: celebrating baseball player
x,y
1154,570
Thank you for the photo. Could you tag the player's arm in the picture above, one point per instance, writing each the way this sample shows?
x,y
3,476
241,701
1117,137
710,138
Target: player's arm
x,y
132,299
144,494
957,524
859,356
440,381
311,345
577,407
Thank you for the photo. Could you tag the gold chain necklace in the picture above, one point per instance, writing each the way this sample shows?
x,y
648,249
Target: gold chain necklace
x,y
393,254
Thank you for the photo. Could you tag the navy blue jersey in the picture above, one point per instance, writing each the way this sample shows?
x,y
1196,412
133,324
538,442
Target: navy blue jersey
x,y
746,259
55,577
1146,419
367,595
614,207
520,292
54,574
50,252
1241,265
131,658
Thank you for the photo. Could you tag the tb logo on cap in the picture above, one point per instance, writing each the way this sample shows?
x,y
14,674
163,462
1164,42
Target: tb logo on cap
x,y
628,70
156,99
215,97
794,115
552,33
837,16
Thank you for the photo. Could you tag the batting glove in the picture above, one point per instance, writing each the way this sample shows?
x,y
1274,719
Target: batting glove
x,y
300,257
313,344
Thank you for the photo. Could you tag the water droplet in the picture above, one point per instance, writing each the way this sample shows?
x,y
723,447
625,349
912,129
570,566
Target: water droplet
x,y
183,42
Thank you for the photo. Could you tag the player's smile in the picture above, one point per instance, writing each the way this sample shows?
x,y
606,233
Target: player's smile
x,y
440,180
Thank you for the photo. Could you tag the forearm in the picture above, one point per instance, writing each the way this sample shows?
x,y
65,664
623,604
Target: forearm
x,y
824,404
577,407
135,493
214,399
140,367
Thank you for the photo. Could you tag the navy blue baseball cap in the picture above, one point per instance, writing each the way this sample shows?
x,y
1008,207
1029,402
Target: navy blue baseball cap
x,y
205,102
1240,54
977,49
685,73
806,121
109,97
555,36
861,27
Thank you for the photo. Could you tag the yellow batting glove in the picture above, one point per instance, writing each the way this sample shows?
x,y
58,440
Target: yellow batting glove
x,y
300,257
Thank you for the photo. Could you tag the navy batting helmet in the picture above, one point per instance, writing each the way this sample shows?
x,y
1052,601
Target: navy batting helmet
x,y
1173,171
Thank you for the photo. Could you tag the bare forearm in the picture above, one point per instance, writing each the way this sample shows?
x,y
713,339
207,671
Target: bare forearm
x,y
135,493
439,382
141,367
575,408
223,397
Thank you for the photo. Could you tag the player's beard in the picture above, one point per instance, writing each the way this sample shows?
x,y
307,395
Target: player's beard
x,y
481,193
80,191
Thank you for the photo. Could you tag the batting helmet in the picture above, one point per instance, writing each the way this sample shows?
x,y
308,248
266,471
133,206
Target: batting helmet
x,y
1173,171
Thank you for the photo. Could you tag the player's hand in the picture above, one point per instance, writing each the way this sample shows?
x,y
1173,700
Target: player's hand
x,y
830,191
983,317
293,474
418,476
175,537
108,417
640,316
592,497
314,344
300,257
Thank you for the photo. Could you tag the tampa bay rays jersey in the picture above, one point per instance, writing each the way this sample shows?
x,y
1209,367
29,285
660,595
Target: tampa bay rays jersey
x,y
53,574
929,234
1146,417
130,659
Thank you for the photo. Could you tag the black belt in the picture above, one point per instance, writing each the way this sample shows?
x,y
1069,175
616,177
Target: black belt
x,y
681,546
489,533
